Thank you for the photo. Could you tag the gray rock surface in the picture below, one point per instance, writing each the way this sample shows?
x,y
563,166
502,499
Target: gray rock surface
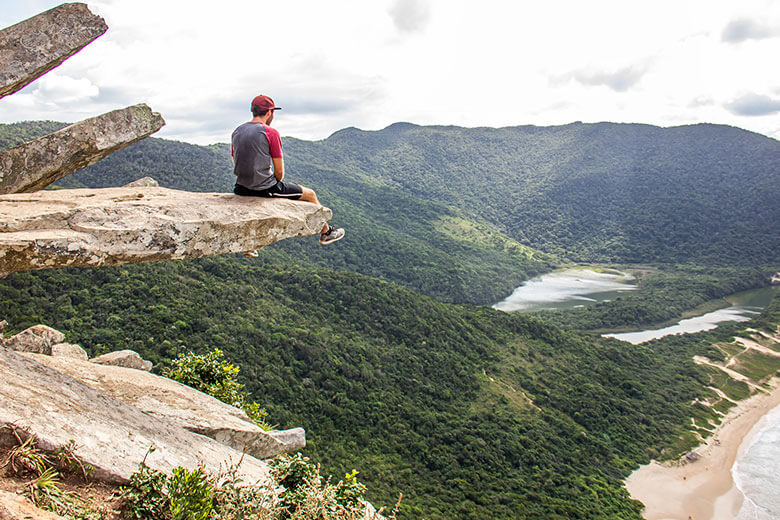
x,y
112,226
144,182
293,439
34,46
69,350
169,400
123,358
111,435
34,165
38,339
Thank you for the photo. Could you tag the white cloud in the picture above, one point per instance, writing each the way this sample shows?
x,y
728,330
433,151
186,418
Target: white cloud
x,y
746,29
410,15
754,105
619,80
63,90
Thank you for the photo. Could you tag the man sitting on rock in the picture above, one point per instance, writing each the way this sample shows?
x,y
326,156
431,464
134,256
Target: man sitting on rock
x,y
256,149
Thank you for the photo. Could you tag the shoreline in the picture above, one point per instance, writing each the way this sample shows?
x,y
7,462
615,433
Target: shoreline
x,y
704,489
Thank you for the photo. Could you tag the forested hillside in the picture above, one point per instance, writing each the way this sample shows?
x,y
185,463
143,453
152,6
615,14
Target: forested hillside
x,y
469,412
461,214
590,192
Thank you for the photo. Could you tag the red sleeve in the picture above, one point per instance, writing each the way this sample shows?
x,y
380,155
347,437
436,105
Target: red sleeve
x,y
274,142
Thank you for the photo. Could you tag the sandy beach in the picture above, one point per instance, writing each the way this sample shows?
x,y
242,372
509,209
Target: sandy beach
x,y
704,490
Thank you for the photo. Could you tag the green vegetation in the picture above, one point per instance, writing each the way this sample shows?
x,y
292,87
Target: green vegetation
x,y
196,495
435,208
734,390
213,375
469,412
391,234
43,472
757,366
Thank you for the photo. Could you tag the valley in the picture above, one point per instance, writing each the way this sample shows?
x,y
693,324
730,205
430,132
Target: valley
x,y
385,348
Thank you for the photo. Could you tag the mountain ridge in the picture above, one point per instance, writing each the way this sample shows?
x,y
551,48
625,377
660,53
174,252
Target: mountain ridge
x,y
583,192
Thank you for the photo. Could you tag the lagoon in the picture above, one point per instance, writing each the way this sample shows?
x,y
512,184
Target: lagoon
x,y
567,288
745,306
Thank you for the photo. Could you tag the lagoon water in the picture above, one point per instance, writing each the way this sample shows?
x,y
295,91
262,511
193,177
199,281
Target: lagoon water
x,y
747,305
756,473
566,289
698,324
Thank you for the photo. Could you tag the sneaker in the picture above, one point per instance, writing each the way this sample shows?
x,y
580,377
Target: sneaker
x,y
332,235
252,254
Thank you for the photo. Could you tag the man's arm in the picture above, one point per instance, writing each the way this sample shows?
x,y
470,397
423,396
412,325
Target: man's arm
x,y
278,167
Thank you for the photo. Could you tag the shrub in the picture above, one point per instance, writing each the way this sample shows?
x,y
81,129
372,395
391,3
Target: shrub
x,y
212,374
195,495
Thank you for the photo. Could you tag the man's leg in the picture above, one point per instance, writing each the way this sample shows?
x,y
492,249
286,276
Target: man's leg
x,y
328,234
308,195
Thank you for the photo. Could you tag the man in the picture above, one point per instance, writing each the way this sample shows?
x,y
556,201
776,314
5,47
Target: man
x,y
256,149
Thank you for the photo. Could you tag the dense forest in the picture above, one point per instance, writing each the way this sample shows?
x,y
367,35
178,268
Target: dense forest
x,y
467,411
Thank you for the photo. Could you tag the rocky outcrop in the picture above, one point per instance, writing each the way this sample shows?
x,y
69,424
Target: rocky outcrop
x,y
188,408
125,359
33,47
38,339
112,226
36,164
144,182
111,435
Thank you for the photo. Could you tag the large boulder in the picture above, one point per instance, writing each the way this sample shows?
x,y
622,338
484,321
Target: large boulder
x,y
193,410
69,350
111,435
38,339
34,165
112,226
34,46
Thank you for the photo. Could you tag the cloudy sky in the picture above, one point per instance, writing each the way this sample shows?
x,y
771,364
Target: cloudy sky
x,y
339,63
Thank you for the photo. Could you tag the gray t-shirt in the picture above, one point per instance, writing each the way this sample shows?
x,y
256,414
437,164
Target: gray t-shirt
x,y
253,146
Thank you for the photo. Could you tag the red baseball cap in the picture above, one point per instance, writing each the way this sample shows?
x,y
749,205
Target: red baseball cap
x,y
265,103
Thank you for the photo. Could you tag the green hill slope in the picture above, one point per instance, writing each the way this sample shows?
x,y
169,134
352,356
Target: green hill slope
x,y
470,412
591,192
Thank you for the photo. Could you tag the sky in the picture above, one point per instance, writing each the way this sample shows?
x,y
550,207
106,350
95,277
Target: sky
x,y
370,63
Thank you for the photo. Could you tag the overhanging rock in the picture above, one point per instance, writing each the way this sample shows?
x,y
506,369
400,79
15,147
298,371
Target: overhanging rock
x,y
36,164
34,46
113,226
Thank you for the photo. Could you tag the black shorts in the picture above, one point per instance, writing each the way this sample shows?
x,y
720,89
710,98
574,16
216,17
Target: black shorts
x,y
287,190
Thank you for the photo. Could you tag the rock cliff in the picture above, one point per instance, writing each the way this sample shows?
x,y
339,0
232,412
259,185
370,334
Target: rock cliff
x,y
112,226
111,435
